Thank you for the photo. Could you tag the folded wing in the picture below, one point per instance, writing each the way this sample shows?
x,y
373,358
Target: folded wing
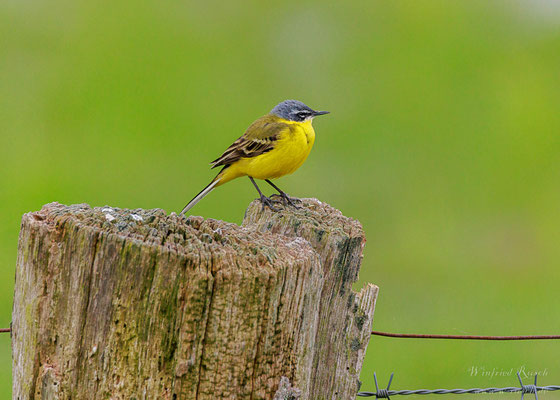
x,y
260,138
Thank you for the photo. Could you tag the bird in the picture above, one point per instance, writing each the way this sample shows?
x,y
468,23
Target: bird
x,y
275,145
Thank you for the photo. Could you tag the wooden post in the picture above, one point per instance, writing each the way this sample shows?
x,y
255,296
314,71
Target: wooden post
x,y
137,304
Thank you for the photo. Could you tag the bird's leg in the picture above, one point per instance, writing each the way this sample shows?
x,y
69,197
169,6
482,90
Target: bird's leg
x,y
287,199
265,201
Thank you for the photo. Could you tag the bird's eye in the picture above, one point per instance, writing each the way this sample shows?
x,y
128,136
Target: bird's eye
x,y
302,115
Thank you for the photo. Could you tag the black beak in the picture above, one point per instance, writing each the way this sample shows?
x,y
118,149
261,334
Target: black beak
x,y
316,113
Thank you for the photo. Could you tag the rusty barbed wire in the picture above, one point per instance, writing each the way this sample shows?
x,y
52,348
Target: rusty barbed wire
x,y
465,337
433,336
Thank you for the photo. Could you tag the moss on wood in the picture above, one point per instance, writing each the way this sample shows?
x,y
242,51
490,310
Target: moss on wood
x,y
122,304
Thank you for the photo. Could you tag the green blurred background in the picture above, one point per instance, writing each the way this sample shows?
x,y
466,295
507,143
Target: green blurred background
x,y
444,141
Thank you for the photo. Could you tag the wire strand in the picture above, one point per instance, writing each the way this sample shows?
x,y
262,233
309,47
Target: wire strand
x,y
429,336
465,337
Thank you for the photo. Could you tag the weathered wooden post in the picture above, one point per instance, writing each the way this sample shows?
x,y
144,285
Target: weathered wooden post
x,y
137,304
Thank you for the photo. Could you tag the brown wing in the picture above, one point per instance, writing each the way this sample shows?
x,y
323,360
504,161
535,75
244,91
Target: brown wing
x,y
260,137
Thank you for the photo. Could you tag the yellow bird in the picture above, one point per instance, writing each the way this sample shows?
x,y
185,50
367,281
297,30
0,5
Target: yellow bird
x,y
273,146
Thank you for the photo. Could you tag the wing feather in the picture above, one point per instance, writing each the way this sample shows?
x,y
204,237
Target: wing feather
x,y
260,138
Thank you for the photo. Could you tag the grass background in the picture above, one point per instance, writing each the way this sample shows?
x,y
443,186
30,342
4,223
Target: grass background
x,y
444,141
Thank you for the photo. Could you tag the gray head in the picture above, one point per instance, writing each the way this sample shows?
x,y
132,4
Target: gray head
x,y
294,110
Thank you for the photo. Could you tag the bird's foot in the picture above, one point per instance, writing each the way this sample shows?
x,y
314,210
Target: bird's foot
x,y
265,201
287,200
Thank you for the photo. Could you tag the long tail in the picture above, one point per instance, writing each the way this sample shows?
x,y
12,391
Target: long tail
x,y
202,194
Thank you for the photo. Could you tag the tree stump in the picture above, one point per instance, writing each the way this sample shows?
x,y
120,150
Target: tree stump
x,y
135,304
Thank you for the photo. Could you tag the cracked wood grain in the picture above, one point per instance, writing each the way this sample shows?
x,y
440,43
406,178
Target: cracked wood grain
x,y
135,304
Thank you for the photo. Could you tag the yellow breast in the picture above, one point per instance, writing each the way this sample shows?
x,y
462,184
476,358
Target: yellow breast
x,y
289,153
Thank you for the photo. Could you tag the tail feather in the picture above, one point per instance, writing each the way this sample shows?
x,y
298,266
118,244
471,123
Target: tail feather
x,y
201,195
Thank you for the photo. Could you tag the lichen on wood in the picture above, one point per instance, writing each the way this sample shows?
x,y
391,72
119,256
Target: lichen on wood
x,y
137,304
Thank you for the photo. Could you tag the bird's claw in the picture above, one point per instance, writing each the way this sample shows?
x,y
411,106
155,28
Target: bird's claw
x,y
291,201
287,200
265,201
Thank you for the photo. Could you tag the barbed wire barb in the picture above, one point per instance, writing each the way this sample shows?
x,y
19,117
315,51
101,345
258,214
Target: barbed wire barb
x,y
385,393
382,393
528,388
